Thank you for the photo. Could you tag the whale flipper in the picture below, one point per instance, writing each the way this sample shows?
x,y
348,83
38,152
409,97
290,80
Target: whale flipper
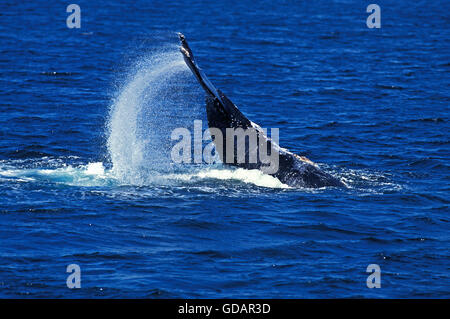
x,y
222,113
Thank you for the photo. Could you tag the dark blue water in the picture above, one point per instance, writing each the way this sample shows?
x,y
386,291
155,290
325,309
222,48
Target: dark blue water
x,y
85,124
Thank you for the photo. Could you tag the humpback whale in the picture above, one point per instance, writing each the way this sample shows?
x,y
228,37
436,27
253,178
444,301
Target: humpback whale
x,y
223,115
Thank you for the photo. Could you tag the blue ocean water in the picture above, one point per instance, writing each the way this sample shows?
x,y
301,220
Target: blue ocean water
x,y
85,123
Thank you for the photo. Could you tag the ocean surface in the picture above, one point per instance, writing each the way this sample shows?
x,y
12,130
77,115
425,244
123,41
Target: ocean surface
x,y
85,139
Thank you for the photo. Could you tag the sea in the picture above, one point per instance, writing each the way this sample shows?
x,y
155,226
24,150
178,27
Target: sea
x,y
92,204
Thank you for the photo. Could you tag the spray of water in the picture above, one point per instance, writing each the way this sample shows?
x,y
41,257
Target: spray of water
x,y
159,96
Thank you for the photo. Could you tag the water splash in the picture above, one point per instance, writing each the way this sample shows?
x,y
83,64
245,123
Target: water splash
x,y
158,96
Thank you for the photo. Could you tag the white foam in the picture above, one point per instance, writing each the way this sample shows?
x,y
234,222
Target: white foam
x,y
95,169
92,174
95,174
255,177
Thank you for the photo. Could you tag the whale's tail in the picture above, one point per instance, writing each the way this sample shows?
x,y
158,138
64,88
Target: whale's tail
x,y
216,99
201,77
